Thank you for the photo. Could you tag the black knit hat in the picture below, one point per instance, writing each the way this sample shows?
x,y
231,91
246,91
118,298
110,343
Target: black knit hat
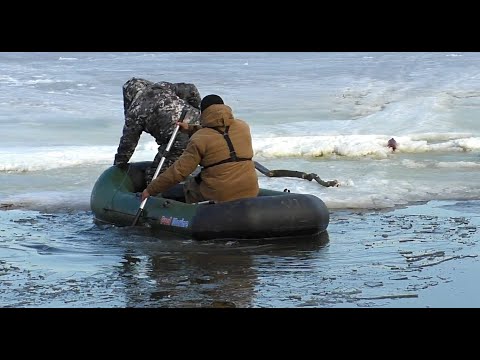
x,y
210,100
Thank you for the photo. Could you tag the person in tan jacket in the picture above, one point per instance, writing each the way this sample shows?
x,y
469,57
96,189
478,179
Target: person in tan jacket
x,y
222,145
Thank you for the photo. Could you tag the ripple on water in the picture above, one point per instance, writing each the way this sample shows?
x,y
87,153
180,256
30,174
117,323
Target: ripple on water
x,y
370,259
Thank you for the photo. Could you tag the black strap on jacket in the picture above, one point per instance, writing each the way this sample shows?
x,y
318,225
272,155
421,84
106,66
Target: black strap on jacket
x,y
233,155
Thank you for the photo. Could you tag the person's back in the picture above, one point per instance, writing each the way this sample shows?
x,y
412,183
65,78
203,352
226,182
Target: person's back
x,y
232,179
223,147
154,108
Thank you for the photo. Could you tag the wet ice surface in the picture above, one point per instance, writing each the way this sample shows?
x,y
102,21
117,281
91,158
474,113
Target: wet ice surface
x,y
420,256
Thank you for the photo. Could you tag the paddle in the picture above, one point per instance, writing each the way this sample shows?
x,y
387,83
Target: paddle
x,y
292,173
165,153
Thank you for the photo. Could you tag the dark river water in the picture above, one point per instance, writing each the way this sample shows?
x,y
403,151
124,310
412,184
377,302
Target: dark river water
x,y
420,256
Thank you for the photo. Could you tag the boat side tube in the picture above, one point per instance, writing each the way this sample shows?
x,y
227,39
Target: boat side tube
x,y
261,217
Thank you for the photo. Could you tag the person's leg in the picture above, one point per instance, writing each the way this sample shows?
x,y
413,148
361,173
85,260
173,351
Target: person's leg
x,y
192,191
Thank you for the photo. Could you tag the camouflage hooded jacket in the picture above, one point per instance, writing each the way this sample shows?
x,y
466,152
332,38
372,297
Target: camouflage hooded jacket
x,y
154,108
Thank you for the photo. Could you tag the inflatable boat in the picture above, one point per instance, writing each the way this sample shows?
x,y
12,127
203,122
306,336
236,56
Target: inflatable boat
x,y
115,199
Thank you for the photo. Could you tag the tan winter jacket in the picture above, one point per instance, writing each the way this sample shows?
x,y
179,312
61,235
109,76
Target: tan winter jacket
x,y
224,182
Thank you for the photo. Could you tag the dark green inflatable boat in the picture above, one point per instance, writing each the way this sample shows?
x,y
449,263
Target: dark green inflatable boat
x,y
115,199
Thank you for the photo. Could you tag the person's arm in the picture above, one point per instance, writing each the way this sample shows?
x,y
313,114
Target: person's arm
x,y
188,128
176,173
128,142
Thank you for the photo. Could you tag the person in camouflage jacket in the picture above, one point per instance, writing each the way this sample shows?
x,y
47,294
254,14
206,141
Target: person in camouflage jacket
x,y
155,108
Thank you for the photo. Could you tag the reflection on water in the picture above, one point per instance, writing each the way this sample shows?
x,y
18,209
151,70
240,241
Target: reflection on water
x,y
204,274
367,259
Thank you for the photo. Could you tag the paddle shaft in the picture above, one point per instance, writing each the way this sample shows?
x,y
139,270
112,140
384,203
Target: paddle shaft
x,y
159,167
